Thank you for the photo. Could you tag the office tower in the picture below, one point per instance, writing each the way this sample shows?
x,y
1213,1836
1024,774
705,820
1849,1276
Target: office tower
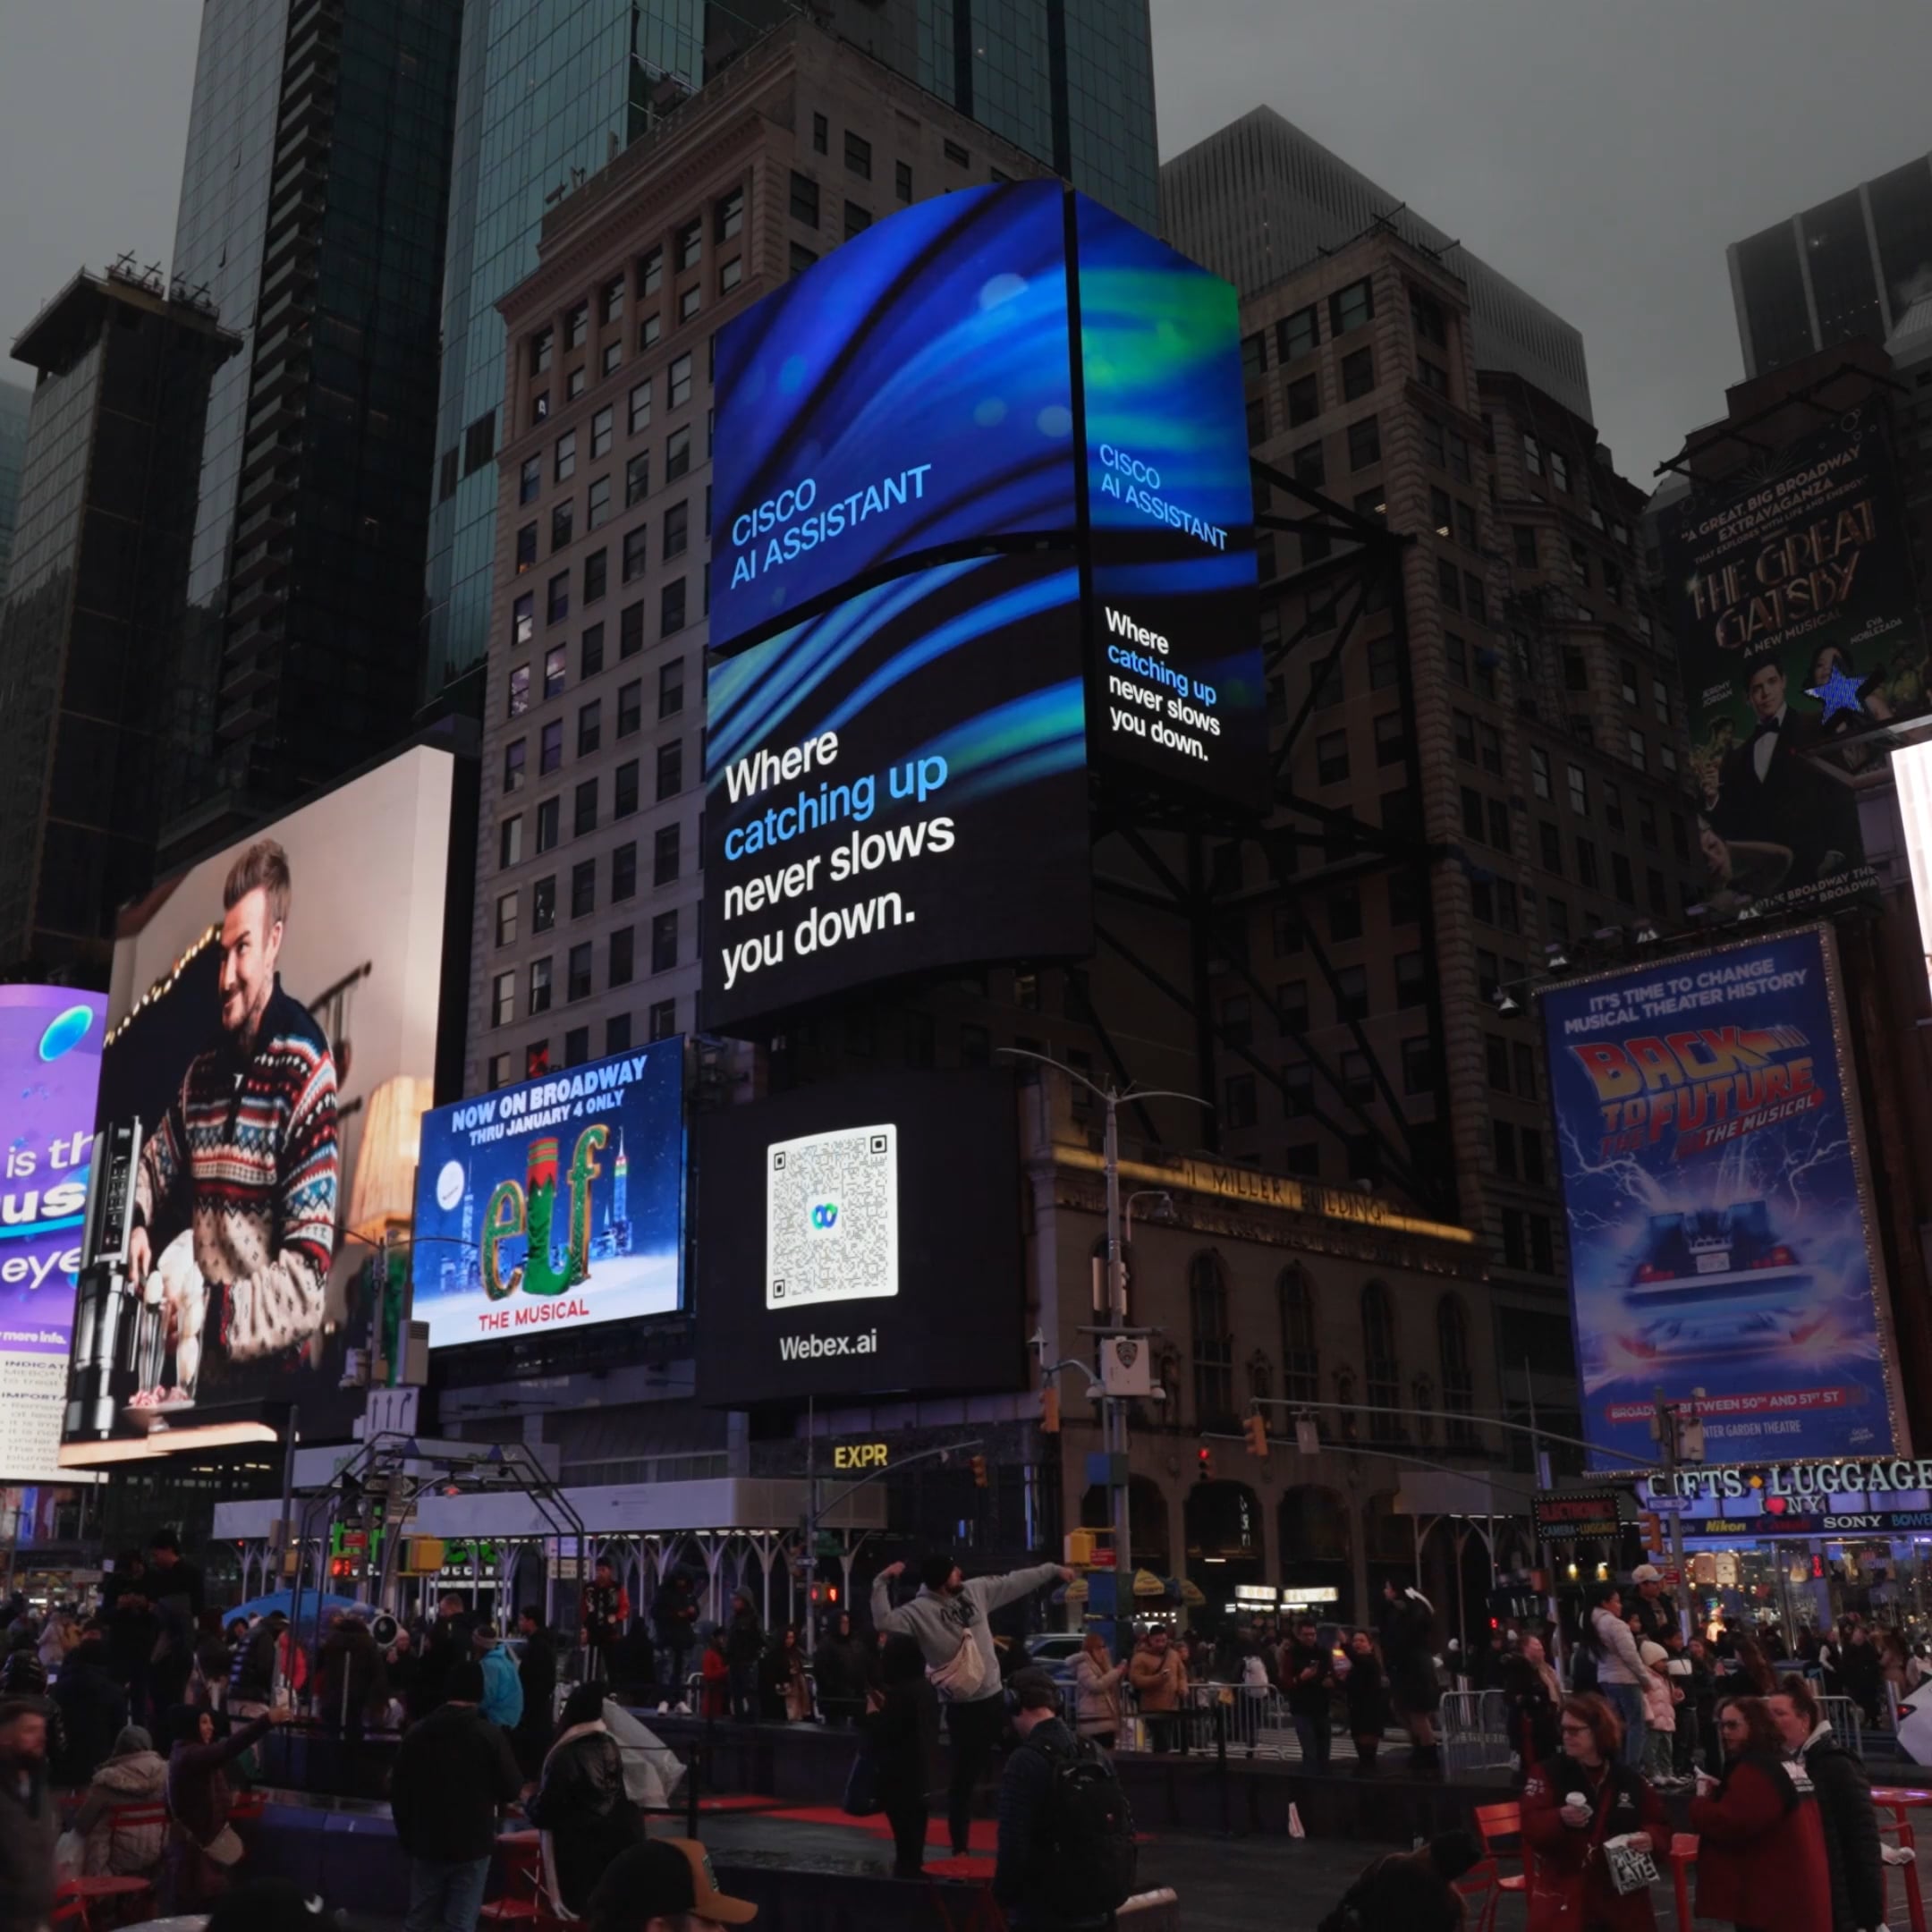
x,y
588,876
94,599
551,90
1852,266
1260,199
15,399
1519,723
312,212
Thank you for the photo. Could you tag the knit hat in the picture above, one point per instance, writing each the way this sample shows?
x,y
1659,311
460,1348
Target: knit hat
x,y
133,1738
935,1571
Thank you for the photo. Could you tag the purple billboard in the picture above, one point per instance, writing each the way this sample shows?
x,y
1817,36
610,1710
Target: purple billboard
x,y
50,1056
1721,1241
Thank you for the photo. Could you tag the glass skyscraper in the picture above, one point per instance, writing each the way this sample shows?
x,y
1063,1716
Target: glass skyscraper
x,y
15,403
550,90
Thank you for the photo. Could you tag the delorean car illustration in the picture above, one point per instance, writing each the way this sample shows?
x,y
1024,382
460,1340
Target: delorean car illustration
x,y
1718,1281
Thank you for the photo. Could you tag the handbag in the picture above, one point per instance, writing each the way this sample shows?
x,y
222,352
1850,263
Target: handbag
x,y
1629,1869
963,1677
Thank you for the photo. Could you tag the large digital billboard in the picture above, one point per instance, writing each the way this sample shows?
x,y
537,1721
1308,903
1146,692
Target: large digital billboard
x,y
1798,630
896,784
1178,685
50,1055
1720,1224
1013,369
914,390
555,1203
861,1238
272,1027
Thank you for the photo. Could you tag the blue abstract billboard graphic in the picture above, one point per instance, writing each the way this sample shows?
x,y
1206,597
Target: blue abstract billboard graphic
x,y
555,1203
1709,1140
898,783
50,1060
913,390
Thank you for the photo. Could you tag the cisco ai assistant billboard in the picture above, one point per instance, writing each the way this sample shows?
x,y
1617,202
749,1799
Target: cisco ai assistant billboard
x,y
555,1203
1012,367
1720,1223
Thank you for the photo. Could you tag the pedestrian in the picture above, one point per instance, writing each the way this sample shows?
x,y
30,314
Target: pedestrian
x,y
949,1618
633,1665
93,1708
1096,1697
901,1727
1365,1692
1308,1676
798,1690
581,1806
175,1592
1861,1670
1408,1891
503,1689
351,1678
1066,1837
203,1847
1895,1665
213,1659
1700,1693
1408,1646
665,1885
61,1633
1158,1674
453,1772
1661,1698
1621,1675
1760,1842
536,1674
744,1649
1573,1803
1654,1609
1840,1783
715,1699
1750,1673
674,1617
30,1824
1534,1696
446,1644
24,1675
132,1631
840,1667
134,1773
605,1615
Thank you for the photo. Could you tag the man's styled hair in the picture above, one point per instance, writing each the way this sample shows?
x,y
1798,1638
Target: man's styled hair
x,y
264,868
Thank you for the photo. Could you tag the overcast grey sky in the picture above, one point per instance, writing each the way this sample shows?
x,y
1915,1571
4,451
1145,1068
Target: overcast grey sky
x,y
1600,152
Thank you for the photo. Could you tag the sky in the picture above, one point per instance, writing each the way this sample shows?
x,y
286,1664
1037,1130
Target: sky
x,y
1601,153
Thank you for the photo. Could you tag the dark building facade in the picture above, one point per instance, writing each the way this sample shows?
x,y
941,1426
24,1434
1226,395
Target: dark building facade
x,y
94,598
1849,268
551,90
313,205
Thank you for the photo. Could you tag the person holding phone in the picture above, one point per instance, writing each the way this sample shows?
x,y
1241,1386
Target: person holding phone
x,y
1572,1805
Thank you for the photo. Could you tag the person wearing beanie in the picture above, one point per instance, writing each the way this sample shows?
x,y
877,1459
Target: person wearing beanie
x,y
950,1621
134,1773
664,1884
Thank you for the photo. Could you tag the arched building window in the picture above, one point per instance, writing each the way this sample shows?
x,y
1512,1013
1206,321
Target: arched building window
x,y
1381,1371
1214,1346
1458,1385
1261,1381
1301,1355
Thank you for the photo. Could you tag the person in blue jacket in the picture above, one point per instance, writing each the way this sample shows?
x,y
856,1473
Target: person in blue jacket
x,y
502,1688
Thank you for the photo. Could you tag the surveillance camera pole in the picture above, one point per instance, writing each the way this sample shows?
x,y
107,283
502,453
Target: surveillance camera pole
x,y
1113,1408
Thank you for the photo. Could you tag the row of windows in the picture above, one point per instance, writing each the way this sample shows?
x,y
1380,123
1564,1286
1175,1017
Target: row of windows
x,y
546,821
629,721
1353,1080
666,862
590,661
579,969
661,1023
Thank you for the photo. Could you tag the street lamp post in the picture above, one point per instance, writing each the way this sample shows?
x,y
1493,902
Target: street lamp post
x,y
1113,1408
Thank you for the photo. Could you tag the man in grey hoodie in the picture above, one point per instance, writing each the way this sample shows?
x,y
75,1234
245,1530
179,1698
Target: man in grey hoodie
x,y
948,1619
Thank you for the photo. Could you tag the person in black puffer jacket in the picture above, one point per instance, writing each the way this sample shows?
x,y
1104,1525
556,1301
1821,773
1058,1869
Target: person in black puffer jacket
x,y
581,1807
93,1708
1842,1786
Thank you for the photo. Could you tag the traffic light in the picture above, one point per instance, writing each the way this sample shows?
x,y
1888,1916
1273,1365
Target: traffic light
x,y
1651,1525
1203,1464
1255,1428
1049,1411
978,1472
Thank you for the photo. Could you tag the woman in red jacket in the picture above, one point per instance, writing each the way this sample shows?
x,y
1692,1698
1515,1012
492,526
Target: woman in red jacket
x,y
1760,1846
1571,1804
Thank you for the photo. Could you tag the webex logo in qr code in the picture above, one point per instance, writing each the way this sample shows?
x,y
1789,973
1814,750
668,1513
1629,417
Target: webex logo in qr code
x,y
832,1217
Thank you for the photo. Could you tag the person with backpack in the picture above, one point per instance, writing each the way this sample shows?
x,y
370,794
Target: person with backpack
x,y
1066,1836
949,1618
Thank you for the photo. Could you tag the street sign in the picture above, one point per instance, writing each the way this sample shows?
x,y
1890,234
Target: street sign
x,y
1569,1515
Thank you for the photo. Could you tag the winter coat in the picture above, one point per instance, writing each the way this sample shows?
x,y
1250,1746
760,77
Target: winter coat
x,y
1030,1859
941,1623
1408,1643
1570,1883
1659,1712
1842,1786
744,1638
93,1708
839,1668
1618,1661
1761,1850
352,1684
901,1737
30,1825
452,1772
1308,1696
716,1674
197,1802
1096,1699
123,1851
1160,1683
1532,1710
1365,1691
583,1811
503,1689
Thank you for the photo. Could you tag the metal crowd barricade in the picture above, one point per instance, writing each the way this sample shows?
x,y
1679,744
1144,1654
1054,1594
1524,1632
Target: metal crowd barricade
x,y
1843,1714
1473,1726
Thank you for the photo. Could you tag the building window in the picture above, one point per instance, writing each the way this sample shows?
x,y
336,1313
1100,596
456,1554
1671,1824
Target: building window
x,y
550,747
663,1020
664,855
598,509
623,872
502,999
1351,308
671,688
585,808
622,956
637,478
1304,401
1358,375
857,156
677,454
636,557
589,726
676,532
510,841
630,707
671,768
1300,1354
679,379
577,972
804,200
1381,1370
514,757
664,942
821,134
506,918
549,824
671,608
583,888
1351,992
1579,791
596,575
1213,1345
903,180
539,985
564,466
1297,335
1364,443
1237,1101
687,245
1458,1383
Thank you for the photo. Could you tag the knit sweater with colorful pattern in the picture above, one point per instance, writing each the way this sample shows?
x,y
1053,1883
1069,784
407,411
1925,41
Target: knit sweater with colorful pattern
x,y
246,1155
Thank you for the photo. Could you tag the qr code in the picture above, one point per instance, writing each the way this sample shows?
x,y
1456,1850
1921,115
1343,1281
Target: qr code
x,y
832,1217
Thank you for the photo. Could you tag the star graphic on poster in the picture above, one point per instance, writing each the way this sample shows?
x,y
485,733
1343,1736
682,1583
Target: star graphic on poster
x,y
1838,693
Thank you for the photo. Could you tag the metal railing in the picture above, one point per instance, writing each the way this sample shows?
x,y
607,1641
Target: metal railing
x,y
1472,1727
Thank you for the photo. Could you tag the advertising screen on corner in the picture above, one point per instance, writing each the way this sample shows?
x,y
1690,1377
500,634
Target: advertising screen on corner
x,y
880,1261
